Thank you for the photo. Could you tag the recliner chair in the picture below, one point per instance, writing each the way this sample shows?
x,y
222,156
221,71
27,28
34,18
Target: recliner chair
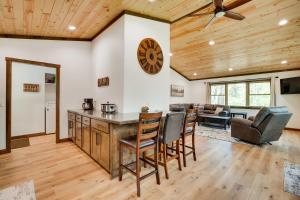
x,y
265,127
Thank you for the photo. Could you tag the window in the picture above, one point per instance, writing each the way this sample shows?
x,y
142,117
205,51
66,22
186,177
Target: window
x,y
242,94
237,94
217,93
260,94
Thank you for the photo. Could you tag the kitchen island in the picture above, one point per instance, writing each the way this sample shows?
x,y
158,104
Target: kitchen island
x,y
97,134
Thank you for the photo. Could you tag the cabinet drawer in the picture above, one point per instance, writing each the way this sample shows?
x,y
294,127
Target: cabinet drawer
x,y
100,125
86,120
71,116
78,118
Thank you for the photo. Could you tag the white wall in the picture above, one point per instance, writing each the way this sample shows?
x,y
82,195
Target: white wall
x,y
177,79
28,108
108,60
114,55
292,101
75,61
141,88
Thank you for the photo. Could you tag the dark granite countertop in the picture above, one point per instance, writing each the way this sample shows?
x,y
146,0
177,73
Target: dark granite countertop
x,y
115,118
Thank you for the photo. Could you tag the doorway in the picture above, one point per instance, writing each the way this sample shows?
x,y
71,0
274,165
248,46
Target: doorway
x,y
50,74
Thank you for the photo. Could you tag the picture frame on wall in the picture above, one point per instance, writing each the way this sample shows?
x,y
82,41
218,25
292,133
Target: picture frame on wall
x,y
177,91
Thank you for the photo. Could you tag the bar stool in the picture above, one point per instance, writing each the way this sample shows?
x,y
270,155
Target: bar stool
x,y
189,130
171,133
146,139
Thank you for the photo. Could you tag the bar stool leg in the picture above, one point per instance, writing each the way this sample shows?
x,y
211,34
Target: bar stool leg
x,y
156,164
165,160
120,162
194,149
144,157
178,154
138,187
183,150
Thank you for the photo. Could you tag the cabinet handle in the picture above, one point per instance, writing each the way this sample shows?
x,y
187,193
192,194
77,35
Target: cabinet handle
x,y
98,138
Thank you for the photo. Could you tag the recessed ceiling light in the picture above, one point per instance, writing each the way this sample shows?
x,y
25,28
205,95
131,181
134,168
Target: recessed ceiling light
x,y
284,62
211,43
195,74
283,22
171,54
72,28
151,1
230,69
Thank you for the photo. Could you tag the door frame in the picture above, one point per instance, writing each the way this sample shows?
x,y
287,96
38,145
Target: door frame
x,y
9,63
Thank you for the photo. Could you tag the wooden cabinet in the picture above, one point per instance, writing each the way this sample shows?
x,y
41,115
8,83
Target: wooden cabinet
x,y
86,137
100,147
92,136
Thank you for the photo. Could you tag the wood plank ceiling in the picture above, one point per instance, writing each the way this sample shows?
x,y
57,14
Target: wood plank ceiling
x,y
253,45
51,18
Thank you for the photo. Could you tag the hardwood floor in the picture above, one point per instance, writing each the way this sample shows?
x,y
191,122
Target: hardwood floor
x,y
222,171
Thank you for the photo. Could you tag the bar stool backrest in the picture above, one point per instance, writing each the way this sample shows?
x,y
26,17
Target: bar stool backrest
x,y
173,127
190,121
148,128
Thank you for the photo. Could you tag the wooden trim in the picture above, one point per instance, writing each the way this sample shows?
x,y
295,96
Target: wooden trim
x,y
180,73
8,104
247,74
64,140
30,135
9,61
4,151
127,12
292,129
193,12
33,37
44,64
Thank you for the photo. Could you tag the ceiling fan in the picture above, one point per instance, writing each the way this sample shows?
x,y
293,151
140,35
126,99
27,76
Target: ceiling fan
x,y
221,11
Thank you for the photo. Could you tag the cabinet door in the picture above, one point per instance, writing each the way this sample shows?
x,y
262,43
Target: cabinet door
x,y
73,131
104,150
95,150
78,133
70,129
86,138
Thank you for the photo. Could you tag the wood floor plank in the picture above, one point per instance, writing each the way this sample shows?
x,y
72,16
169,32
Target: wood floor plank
x,y
223,170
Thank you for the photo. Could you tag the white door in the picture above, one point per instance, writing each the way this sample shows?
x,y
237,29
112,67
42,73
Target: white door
x,y
50,117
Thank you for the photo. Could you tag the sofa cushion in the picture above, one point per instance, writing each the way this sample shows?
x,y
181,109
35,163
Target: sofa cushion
x,y
209,111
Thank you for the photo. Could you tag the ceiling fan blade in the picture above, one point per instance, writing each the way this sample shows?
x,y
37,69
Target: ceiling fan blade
x,y
210,22
218,3
201,14
234,15
236,4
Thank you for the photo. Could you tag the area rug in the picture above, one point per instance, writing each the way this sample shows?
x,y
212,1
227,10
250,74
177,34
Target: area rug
x,y
23,191
292,178
19,143
217,133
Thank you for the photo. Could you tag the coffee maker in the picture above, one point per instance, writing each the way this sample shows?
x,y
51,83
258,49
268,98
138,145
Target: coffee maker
x,y
88,104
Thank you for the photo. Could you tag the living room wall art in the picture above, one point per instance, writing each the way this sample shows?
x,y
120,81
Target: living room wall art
x,y
177,91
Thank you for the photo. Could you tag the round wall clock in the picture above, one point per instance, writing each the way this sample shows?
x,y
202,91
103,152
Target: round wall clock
x,y
150,56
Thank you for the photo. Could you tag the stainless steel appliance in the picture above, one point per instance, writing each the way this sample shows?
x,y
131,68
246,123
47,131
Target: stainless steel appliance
x,y
108,108
88,104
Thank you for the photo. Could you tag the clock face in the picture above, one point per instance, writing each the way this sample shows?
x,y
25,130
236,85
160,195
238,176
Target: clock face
x,y
150,56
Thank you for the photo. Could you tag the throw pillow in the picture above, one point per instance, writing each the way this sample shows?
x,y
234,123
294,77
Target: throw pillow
x,y
218,110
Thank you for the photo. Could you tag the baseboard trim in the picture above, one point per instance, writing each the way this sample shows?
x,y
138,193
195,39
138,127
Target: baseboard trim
x,y
292,129
4,151
29,135
65,140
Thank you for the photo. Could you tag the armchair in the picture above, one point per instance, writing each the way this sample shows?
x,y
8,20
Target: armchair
x,y
265,127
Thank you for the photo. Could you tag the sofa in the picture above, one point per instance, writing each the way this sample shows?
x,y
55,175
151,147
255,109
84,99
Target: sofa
x,y
211,109
265,127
